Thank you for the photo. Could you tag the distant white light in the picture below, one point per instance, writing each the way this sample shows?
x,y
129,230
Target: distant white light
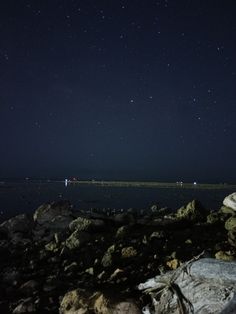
x,y
66,182
195,183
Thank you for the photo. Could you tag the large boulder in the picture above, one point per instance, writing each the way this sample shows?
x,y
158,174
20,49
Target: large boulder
x,y
203,286
52,218
230,201
47,212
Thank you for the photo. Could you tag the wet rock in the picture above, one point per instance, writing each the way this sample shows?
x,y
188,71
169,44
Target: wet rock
x,y
193,211
77,239
85,224
230,201
129,251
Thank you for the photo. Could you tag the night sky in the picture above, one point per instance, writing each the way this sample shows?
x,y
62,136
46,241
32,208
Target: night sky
x,y
128,90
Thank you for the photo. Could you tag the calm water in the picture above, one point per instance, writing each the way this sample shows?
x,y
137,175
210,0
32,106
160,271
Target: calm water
x,y
19,197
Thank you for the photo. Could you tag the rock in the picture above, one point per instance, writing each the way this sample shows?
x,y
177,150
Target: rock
x,y
193,211
226,210
101,305
74,302
52,218
173,264
85,224
52,247
77,239
107,257
129,251
207,287
25,306
19,224
126,307
10,276
230,224
122,232
230,201
224,256
90,271
72,267
157,235
29,287
124,219
232,237
46,212
105,305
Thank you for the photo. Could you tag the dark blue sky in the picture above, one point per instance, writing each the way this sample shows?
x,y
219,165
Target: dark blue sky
x,y
118,89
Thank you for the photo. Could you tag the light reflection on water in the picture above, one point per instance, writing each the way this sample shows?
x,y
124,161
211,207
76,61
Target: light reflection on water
x,y
21,197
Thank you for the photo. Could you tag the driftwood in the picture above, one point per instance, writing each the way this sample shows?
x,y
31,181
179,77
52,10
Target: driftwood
x,y
200,286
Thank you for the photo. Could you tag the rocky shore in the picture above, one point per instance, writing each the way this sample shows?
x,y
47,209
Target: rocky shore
x,y
62,260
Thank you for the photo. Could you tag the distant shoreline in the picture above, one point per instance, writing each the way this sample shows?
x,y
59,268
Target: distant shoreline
x,y
154,184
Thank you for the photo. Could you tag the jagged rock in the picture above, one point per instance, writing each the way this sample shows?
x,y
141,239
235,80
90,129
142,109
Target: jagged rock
x,y
129,251
193,211
85,224
230,201
77,239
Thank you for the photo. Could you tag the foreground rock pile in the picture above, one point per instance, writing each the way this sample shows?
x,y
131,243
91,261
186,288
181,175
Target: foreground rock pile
x,y
65,261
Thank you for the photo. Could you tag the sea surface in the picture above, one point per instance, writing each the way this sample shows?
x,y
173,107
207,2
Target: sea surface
x,y
25,196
